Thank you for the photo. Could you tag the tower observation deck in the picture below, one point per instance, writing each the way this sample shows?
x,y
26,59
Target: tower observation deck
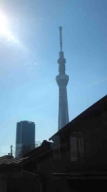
x,y
62,81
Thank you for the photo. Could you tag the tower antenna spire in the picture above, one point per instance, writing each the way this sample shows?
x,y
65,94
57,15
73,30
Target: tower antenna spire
x,y
60,37
62,80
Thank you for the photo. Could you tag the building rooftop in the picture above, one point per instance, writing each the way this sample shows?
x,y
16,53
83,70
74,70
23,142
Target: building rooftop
x,y
90,112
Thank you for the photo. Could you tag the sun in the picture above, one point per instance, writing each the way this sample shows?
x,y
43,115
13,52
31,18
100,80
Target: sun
x,y
4,26
3,23
5,29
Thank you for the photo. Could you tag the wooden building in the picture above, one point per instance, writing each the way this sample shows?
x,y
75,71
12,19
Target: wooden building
x,y
83,142
74,159
76,154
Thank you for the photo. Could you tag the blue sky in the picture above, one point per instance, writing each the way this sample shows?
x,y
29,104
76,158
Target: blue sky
x,y
28,90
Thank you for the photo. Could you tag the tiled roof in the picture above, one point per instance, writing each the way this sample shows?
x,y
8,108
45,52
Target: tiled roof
x,y
8,160
38,153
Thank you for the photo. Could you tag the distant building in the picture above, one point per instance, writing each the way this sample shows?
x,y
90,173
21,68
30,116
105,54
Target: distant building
x,y
25,137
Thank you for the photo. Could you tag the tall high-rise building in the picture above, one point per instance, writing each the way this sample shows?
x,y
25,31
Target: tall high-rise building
x,y
25,137
62,81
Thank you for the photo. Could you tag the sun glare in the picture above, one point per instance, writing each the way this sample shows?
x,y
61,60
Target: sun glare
x,y
3,23
5,29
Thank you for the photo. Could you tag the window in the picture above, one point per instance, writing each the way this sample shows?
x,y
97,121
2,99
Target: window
x,y
76,147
